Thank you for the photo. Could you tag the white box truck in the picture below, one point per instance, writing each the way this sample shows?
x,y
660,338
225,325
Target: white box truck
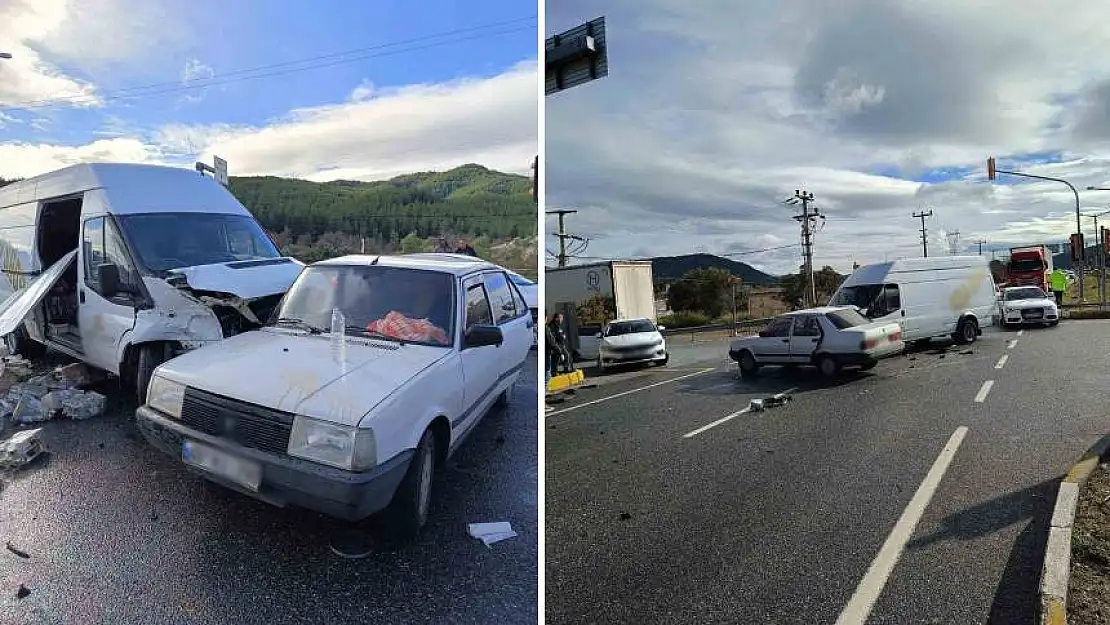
x,y
628,282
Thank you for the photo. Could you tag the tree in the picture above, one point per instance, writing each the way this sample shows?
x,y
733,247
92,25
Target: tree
x,y
414,244
596,310
794,286
701,290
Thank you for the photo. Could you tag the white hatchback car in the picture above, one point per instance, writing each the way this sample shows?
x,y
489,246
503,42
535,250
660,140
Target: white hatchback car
x,y
829,338
1027,305
367,378
631,341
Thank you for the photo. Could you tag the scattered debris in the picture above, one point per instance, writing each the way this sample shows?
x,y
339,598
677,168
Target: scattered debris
x,y
17,551
759,405
22,592
34,398
490,533
21,448
968,352
626,516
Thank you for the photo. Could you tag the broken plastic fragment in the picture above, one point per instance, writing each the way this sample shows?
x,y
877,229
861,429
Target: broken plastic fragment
x,y
490,533
21,448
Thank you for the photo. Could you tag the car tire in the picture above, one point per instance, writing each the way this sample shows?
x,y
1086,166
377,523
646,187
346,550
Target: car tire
x,y
150,356
748,364
966,332
19,342
828,366
408,511
666,359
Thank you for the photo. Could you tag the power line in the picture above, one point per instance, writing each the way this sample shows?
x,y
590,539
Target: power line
x,y
564,236
333,59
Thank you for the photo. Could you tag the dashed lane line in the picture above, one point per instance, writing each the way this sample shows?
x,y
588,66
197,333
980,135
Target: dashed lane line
x,y
984,390
629,392
1011,344
1020,332
1002,361
732,416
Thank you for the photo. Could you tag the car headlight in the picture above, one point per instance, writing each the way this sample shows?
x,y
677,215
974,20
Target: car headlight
x,y
341,446
165,396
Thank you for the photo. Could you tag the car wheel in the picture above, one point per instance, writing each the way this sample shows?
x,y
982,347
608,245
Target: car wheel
x,y
150,356
828,366
748,365
666,359
408,512
966,332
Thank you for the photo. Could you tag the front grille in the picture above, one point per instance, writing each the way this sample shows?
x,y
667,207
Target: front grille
x,y
249,425
633,348
1032,313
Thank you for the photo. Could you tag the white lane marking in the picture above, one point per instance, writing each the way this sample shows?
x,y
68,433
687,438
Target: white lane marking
x,y
1020,332
871,586
984,390
1002,361
635,390
1011,344
732,416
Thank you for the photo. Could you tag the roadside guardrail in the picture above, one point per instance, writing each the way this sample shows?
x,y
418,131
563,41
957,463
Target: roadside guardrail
x,y
744,326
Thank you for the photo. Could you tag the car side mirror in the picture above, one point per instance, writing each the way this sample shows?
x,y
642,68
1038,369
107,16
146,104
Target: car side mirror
x,y
483,336
107,279
661,328
597,336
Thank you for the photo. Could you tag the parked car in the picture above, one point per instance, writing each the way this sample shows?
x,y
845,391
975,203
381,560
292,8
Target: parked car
x,y
1028,305
531,293
367,379
941,297
631,341
829,338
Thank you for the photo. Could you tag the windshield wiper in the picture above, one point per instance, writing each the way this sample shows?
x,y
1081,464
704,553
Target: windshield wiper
x,y
300,323
373,333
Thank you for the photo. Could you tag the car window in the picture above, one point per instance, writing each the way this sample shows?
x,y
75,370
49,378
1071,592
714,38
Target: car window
x,y
806,325
518,300
1024,293
413,305
893,298
779,328
477,306
115,252
93,244
501,297
635,326
847,318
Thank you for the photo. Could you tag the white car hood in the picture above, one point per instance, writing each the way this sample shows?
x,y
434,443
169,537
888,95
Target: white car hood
x,y
632,340
1030,303
298,373
246,279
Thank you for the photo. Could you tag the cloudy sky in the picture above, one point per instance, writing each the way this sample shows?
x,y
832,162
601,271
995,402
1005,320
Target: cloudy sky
x,y
356,90
714,111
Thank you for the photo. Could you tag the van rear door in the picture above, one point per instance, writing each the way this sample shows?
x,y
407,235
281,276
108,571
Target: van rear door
x,y
21,303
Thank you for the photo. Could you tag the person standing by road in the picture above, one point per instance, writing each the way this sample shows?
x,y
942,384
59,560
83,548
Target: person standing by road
x,y
558,340
1058,282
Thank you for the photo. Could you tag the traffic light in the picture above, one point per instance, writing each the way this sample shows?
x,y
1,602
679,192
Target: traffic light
x,y
1076,241
992,173
1105,239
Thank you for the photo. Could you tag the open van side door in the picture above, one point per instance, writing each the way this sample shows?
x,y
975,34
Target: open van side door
x,y
21,303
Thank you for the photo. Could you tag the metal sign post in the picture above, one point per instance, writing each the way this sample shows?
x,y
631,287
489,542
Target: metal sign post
x,y
575,57
218,171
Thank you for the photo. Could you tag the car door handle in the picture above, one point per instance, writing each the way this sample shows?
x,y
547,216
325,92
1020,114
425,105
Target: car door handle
x,y
81,295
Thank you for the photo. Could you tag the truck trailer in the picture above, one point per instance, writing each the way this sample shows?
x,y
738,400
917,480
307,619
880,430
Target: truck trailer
x,y
629,283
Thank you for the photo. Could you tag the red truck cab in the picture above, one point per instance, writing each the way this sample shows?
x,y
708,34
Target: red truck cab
x,y
1030,266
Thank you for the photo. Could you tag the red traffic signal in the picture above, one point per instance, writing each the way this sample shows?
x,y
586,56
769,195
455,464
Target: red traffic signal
x,y
1076,241
1105,239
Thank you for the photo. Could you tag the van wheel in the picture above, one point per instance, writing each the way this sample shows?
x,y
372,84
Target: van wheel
x,y
748,365
828,366
150,356
966,331
19,342
408,512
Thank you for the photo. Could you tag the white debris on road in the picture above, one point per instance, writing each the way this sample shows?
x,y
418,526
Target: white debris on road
x,y
490,533
31,398
21,448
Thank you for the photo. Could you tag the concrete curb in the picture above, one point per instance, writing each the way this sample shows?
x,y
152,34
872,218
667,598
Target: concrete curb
x,y
1056,569
563,381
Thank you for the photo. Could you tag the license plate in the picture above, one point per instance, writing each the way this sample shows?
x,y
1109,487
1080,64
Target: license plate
x,y
232,468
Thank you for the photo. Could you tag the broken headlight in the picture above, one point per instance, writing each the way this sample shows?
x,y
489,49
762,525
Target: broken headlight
x,y
165,396
341,446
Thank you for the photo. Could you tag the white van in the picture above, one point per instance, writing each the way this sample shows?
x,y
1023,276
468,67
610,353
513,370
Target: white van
x,y
124,266
948,296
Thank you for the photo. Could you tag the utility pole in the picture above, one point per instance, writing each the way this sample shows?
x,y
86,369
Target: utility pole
x,y
980,243
806,219
924,234
562,233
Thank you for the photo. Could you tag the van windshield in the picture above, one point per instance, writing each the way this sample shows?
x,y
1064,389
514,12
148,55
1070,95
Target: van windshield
x,y
1033,263
860,295
165,241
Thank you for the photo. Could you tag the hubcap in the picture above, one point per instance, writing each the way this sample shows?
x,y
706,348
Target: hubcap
x,y
969,332
425,481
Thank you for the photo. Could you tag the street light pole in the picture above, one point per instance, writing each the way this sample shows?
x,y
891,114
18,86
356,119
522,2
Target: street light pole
x,y
1101,258
992,172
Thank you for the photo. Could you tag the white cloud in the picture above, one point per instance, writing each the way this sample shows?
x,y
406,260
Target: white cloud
x,y
491,121
707,122
196,74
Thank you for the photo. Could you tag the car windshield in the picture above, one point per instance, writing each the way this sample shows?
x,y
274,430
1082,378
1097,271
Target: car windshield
x,y
846,318
408,305
1026,264
1024,293
861,295
630,327
165,241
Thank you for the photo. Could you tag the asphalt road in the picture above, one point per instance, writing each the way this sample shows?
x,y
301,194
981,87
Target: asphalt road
x,y
779,516
118,533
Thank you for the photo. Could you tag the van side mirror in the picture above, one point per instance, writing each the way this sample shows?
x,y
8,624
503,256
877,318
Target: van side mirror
x,y
107,279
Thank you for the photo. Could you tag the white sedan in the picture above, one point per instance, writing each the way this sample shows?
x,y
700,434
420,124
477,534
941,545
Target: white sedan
x,y
1028,305
369,377
829,338
631,341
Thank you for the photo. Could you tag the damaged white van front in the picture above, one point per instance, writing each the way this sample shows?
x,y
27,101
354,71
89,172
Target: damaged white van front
x,y
125,266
